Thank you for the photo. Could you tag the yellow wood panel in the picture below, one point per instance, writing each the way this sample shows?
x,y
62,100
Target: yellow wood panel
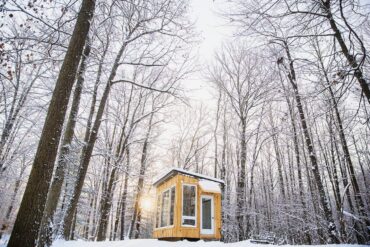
x,y
167,231
181,231
178,231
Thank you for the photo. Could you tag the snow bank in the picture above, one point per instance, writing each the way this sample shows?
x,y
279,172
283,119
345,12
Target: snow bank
x,y
157,243
210,186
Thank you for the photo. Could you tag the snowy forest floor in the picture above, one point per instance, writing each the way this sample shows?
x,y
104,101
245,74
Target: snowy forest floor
x,y
157,243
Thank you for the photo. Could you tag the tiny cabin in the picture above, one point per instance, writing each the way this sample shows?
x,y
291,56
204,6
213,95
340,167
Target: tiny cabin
x,y
188,206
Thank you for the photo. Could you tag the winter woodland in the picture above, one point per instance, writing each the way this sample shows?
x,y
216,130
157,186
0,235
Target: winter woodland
x,y
97,100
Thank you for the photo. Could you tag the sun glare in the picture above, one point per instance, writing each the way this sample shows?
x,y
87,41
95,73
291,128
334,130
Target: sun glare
x,y
147,203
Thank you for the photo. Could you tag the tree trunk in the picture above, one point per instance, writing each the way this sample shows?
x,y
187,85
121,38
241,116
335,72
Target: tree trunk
x,y
88,149
27,224
240,199
215,135
12,201
279,165
45,234
118,213
350,58
360,163
347,156
124,194
331,228
106,205
136,218
308,239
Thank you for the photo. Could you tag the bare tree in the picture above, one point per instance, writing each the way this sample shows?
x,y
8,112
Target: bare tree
x,y
236,72
31,210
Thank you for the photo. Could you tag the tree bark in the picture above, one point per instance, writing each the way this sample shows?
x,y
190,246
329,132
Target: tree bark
x,y
136,218
358,73
45,234
124,194
347,156
26,227
240,199
308,239
88,149
331,227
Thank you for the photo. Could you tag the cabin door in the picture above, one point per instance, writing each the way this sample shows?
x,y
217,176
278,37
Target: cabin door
x,y
207,215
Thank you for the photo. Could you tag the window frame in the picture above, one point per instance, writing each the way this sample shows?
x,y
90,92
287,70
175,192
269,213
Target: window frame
x,y
159,217
182,206
174,208
158,212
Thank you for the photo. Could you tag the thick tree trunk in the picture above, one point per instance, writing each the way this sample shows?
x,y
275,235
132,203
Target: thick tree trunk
x,y
27,224
45,234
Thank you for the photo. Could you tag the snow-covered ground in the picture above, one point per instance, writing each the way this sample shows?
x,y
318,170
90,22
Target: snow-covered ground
x,y
157,243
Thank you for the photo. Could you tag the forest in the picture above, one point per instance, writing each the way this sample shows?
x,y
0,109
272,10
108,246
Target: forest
x,y
99,97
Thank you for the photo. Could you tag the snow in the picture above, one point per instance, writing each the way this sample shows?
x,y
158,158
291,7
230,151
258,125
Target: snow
x,y
187,173
4,240
158,243
350,215
210,186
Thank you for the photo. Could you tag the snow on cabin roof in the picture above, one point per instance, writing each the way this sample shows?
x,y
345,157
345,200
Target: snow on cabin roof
x,y
210,186
174,171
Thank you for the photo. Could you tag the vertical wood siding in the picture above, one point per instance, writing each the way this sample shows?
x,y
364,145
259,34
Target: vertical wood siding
x,y
178,231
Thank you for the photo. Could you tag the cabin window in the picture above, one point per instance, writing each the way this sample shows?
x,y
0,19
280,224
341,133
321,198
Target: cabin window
x,y
189,205
172,207
166,208
158,211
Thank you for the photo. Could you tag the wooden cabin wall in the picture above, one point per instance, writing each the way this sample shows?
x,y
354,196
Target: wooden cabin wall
x,y
178,231
167,232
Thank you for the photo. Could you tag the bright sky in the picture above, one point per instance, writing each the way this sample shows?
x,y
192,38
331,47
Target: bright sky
x,y
213,33
209,24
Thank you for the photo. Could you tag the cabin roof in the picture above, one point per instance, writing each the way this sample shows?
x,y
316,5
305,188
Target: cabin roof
x,y
174,171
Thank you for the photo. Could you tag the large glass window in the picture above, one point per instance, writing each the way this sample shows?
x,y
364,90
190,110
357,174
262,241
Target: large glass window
x,y
172,208
165,208
189,205
158,211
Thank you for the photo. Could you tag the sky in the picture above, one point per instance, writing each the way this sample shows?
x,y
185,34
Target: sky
x,y
210,24
213,34
197,90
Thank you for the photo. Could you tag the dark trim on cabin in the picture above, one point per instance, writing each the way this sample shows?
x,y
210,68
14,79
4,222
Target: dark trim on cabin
x,y
174,172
